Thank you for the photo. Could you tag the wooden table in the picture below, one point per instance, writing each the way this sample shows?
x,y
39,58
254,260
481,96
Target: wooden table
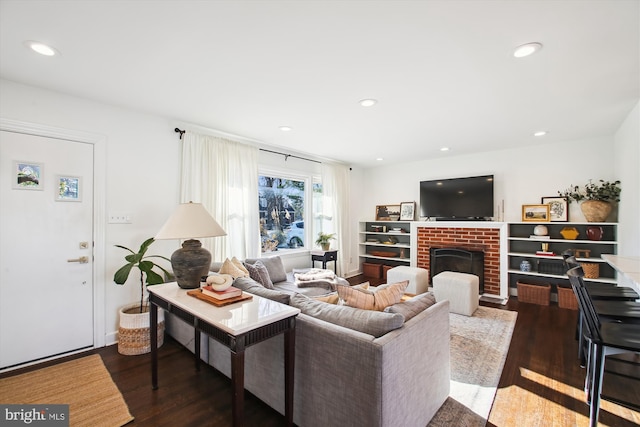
x,y
237,326
324,257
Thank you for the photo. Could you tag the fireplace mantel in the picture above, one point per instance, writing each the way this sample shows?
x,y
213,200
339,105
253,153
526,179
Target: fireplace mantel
x,y
487,235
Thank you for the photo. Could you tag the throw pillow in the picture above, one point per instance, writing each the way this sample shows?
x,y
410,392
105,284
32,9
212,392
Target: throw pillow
x,y
374,323
377,300
413,306
259,273
274,265
329,299
240,266
230,268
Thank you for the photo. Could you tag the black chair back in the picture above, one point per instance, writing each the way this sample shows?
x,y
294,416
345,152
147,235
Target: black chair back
x,y
585,303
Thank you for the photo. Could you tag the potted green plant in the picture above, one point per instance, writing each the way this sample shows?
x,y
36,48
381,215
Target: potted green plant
x,y
133,332
596,198
324,240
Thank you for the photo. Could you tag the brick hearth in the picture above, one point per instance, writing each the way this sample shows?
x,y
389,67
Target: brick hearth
x,y
475,239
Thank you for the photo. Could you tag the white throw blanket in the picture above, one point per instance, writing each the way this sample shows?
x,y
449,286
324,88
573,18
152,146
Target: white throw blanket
x,y
315,277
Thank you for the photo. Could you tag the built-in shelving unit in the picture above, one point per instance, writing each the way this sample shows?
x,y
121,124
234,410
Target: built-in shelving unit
x,y
523,245
385,242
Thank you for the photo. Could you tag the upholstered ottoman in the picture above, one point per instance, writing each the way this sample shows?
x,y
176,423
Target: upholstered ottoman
x,y
418,278
461,289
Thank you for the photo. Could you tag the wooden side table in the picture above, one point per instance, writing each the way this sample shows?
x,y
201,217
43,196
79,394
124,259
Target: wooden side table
x,y
324,257
237,326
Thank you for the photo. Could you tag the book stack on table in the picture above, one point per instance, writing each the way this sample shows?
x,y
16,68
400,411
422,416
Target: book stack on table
x,y
231,292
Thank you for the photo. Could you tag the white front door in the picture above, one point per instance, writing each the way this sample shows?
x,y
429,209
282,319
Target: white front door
x,y
46,228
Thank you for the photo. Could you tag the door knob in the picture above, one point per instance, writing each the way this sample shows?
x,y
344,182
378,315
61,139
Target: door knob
x,y
81,260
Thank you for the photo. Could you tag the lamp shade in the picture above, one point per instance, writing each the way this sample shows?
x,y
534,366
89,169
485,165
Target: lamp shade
x,y
191,262
189,221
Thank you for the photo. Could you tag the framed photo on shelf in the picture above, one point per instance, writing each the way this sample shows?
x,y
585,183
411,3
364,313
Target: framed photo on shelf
x,y
558,208
407,211
28,176
68,189
387,212
535,213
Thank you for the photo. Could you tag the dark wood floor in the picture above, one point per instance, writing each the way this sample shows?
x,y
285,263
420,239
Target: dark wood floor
x,y
541,384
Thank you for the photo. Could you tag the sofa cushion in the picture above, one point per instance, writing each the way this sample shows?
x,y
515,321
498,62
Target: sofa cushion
x,y
274,265
228,267
412,307
247,284
260,274
377,299
374,323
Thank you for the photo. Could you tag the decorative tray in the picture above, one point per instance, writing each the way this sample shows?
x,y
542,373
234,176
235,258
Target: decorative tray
x,y
197,293
387,254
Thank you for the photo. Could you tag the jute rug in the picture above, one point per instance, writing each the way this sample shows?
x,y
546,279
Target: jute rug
x,y
479,346
84,384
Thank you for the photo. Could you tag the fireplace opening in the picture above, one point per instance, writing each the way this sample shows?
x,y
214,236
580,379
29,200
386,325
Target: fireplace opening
x,y
458,260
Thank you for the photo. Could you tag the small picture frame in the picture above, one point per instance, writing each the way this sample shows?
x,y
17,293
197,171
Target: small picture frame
x,y
535,213
558,208
407,211
69,188
387,212
28,175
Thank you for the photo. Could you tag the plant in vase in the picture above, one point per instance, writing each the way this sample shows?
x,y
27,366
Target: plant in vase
x,y
596,198
133,333
324,240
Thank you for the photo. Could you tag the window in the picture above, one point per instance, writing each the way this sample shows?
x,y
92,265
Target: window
x,y
282,212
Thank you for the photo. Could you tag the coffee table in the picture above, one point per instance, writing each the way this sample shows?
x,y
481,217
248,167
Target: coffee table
x,y
236,326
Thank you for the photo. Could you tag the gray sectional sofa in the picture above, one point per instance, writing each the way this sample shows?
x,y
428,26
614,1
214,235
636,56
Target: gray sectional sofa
x,y
343,376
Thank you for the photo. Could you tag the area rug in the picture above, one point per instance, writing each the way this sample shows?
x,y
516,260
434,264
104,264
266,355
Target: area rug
x,y
84,384
479,346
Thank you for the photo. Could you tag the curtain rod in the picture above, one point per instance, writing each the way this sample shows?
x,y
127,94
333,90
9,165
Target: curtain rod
x,y
286,156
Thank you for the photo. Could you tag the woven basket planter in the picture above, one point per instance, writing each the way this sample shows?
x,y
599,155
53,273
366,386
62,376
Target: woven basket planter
x,y
596,210
134,331
534,294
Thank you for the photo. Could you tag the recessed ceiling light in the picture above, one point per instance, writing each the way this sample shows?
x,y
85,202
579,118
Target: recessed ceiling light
x,y
368,102
444,149
540,133
41,48
285,128
527,49
379,159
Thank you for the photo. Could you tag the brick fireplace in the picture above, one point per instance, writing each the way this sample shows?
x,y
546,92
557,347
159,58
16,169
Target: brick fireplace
x,y
484,239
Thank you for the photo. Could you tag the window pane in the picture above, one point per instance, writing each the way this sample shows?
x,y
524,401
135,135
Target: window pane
x,y
281,204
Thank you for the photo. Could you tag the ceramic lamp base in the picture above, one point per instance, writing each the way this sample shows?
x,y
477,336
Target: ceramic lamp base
x,y
190,264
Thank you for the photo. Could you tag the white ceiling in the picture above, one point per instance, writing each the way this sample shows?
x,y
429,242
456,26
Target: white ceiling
x,y
443,71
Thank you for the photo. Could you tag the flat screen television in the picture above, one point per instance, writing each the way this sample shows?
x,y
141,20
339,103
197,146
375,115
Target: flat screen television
x,y
468,198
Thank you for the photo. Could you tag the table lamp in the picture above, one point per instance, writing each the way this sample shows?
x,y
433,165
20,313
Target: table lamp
x,y
191,262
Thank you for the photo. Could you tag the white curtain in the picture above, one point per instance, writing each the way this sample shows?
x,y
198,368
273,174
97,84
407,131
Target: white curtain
x,y
335,209
223,176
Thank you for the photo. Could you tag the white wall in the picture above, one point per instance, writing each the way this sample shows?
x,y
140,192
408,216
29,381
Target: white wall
x,y
522,175
627,170
142,173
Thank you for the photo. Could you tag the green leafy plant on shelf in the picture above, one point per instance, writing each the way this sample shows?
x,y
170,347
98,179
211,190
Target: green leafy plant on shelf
x,y
140,260
603,191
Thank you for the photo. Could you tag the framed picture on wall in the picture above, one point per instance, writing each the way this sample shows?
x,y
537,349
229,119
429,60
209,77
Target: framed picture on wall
x,y
535,213
68,189
407,211
28,175
558,208
387,212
